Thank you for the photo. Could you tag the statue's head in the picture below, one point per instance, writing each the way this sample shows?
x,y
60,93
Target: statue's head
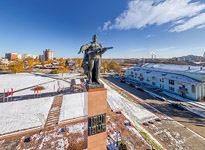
x,y
95,38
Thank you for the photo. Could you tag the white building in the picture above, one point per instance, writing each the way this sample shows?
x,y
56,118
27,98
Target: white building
x,y
187,81
41,57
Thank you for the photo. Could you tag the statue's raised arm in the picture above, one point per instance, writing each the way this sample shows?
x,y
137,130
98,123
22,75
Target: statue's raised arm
x,y
92,60
84,47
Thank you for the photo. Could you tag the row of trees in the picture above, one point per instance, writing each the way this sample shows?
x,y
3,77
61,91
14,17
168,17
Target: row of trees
x,y
63,65
111,65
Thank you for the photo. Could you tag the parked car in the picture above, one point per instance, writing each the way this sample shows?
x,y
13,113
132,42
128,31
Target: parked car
x,y
120,77
139,88
179,106
122,80
132,84
128,82
115,76
161,98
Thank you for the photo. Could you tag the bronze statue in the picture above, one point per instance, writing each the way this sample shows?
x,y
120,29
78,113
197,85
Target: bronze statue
x,y
92,60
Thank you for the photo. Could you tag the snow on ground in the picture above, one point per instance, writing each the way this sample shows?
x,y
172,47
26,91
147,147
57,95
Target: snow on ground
x,y
73,106
49,87
77,81
20,81
65,75
134,110
77,128
24,114
198,104
176,136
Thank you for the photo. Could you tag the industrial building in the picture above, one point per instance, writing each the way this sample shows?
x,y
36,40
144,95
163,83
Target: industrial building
x,y
186,81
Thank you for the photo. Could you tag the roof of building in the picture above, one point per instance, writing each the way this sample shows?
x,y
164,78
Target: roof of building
x,y
173,67
166,75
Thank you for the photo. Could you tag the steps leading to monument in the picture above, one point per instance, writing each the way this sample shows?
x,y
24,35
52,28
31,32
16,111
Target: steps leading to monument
x,y
54,113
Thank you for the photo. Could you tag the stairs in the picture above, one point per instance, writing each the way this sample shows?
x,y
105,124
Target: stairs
x,y
54,114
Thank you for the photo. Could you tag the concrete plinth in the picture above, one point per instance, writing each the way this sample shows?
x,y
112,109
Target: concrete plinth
x,y
95,86
97,106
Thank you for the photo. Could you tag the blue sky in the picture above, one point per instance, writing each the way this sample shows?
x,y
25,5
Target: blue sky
x,y
134,28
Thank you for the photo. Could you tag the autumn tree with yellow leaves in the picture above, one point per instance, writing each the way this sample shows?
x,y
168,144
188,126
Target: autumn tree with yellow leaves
x,y
62,70
30,62
4,67
61,62
50,61
105,66
78,62
37,61
16,66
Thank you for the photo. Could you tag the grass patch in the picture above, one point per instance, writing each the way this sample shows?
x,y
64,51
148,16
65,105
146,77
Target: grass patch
x,y
40,88
150,141
54,72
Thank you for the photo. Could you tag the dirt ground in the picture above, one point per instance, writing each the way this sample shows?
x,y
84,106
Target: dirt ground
x,y
175,136
188,119
52,139
128,134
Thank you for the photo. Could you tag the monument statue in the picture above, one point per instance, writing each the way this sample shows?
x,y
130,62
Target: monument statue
x,y
92,60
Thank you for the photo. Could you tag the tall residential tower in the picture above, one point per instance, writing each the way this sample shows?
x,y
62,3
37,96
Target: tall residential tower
x,y
48,54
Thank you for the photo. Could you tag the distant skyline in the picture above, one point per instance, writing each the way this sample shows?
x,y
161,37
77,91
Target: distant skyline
x,y
135,28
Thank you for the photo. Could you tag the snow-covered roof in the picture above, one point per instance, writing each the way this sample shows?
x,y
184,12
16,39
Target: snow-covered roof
x,y
173,67
5,62
38,65
166,75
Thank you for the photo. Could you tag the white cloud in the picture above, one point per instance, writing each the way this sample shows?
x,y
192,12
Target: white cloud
x,y
179,21
106,25
201,26
191,23
150,35
142,13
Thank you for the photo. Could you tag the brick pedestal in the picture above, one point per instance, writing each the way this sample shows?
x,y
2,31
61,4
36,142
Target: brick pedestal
x,y
97,105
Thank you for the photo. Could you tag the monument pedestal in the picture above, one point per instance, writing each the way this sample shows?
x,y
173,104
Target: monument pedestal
x,y
97,109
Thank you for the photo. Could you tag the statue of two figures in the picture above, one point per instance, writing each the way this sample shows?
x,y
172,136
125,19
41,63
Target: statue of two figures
x,y
92,60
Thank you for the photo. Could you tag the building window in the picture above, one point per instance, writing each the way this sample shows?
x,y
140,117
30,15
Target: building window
x,y
148,79
131,72
163,86
171,82
135,73
153,77
160,85
171,88
153,83
161,80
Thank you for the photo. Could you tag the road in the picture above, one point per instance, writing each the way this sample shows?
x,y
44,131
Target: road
x,y
188,119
